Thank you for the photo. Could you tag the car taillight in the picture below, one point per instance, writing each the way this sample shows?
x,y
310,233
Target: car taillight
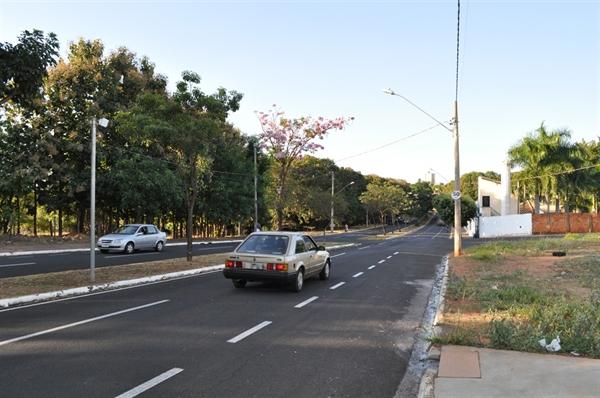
x,y
277,267
231,263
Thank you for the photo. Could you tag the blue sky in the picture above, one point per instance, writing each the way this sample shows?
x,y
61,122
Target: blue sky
x,y
521,63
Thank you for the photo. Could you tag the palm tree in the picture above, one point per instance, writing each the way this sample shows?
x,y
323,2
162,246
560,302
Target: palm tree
x,y
540,154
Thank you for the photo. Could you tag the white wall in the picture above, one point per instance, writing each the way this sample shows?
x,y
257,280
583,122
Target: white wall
x,y
512,225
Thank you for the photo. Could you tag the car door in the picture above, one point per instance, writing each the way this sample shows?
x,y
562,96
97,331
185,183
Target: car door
x,y
141,238
151,237
311,248
302,255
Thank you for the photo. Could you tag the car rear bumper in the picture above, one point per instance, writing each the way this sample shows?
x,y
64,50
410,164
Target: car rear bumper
x,y
253,275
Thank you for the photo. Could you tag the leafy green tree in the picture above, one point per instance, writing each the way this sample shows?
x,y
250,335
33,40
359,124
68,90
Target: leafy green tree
x,y
88,84
383,200
23,66
420,199
541,154
444,204
228,195
184,127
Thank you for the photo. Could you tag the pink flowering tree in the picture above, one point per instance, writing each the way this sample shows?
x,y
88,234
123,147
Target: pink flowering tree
x,y
288,140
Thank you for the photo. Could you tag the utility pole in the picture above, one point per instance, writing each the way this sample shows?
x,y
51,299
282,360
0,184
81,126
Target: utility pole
x,y
457,202
255,193
332,194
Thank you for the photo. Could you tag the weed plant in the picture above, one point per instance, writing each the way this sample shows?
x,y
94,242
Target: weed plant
x,y
524,308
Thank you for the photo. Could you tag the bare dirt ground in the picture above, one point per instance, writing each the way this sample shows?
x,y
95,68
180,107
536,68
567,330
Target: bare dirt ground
x,y
464,313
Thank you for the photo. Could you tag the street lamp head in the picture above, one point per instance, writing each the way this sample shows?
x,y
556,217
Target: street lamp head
x,y
388,91
103,122
352,183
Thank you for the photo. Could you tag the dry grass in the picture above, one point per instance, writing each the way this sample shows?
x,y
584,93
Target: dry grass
x,y
471,302
57,281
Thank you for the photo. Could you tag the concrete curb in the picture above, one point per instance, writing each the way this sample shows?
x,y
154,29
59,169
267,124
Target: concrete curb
x,y
426,386
78,291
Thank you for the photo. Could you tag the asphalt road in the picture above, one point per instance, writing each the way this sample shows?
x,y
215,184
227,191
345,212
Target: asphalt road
x,y
349,336
40,263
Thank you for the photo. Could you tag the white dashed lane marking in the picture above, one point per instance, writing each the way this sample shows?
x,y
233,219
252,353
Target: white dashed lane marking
x,y
336,286
249,332
310,300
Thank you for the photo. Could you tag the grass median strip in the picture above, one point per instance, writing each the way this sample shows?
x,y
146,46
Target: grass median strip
x,y
58,281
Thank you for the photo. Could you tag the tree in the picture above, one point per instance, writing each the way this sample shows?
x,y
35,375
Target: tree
x,y
384,199
23,66
444,204
184,127
469,182
541,154
287,140
88,84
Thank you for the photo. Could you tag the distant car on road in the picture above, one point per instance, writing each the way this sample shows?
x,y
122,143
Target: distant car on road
x,y
440,223
131,237
286,257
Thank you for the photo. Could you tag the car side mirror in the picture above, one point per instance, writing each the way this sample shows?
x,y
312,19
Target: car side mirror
x,y
321,248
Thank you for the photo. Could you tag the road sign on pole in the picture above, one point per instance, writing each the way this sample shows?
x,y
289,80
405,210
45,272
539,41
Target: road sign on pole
x,y
455,195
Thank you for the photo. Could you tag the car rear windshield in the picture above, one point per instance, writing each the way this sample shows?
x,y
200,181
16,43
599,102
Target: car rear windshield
x,y
265,244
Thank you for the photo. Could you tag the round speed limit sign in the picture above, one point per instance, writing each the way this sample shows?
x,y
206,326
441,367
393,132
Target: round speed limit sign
x,y
455,195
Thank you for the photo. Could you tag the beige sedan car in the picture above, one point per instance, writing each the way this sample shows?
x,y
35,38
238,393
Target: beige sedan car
x,y
286,257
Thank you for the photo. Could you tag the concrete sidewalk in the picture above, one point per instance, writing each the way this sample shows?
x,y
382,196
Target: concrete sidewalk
x,y
484,372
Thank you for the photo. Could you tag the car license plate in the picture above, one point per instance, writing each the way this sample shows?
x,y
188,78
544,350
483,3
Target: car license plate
x,y
104,245
255,266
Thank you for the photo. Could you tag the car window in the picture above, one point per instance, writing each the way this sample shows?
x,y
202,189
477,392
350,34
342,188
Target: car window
x,y
126,230
300,245
310,244
264,244
152,230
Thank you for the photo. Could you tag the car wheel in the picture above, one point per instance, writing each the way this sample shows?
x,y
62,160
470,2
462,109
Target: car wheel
x,y
239,283
159,246
129,248
324,274
103,251
299,281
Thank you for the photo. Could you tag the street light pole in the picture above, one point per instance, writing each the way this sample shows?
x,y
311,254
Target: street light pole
x,y
333,193
93,206
102,122
457,203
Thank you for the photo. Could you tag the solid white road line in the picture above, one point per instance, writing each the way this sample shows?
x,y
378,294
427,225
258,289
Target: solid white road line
x,y
15,264
249,332
150,383
310,300
134,255
336,286
79,323
357,275
372,266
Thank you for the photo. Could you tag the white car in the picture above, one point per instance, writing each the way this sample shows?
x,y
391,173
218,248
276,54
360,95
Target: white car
x,y
130,237
286,257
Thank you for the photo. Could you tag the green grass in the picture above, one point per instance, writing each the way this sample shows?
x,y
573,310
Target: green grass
x,y
524,308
